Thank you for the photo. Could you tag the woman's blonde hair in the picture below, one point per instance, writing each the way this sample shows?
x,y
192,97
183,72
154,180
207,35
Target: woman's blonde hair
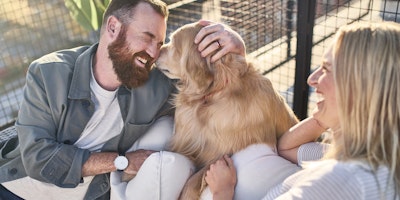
x,y
367,79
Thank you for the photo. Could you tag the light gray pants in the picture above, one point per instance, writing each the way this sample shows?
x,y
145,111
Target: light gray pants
x,y
163,175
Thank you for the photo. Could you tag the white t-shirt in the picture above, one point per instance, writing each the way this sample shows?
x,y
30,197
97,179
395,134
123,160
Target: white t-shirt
x,y
106,121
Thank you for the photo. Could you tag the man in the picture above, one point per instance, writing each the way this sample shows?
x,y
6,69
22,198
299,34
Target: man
x,y
83,108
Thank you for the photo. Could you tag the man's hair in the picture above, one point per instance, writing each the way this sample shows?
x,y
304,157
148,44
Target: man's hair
x,y
124,10
367,76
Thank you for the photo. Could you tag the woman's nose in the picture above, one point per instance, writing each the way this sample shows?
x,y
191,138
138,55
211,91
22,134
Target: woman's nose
x,y
313,78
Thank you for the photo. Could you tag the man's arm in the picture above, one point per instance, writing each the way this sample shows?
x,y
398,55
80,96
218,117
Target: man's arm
x,y
44,157
103,162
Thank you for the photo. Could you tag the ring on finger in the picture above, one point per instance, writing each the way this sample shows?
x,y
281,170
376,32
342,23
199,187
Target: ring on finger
x,y
219,45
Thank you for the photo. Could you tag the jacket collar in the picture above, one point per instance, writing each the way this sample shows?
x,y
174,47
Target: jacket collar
x,y
80,83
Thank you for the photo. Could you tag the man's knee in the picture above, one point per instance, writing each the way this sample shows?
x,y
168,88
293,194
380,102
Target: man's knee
x,y
162,176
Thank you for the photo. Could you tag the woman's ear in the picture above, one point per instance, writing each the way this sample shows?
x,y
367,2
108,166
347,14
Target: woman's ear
x,y
113,26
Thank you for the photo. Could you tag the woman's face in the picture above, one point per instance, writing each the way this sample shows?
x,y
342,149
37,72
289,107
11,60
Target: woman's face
x,y
322,80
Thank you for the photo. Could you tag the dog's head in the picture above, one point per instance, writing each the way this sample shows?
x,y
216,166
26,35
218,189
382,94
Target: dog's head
x,y
181,59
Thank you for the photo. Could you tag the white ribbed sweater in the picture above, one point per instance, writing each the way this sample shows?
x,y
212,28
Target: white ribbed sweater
x,y
335,180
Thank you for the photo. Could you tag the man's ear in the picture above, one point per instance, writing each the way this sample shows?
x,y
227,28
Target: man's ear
x,y
113,26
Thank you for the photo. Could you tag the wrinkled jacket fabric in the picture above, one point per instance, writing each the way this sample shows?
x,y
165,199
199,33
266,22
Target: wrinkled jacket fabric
x,y
55,109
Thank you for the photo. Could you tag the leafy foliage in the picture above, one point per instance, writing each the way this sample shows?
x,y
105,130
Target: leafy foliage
x,y
88,13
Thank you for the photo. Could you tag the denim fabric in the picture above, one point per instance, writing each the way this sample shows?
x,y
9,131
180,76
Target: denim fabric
x,y
7,195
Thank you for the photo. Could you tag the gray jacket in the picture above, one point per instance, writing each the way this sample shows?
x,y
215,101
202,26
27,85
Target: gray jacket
x,y
55,109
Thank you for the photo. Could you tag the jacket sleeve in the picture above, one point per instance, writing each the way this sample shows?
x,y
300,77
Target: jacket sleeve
x,y
44,157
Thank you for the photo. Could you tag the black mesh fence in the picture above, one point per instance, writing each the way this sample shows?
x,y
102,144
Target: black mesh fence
x,y
332,14
32,28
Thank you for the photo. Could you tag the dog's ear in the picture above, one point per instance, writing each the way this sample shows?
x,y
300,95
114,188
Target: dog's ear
x,y
229,67
196,65
198,68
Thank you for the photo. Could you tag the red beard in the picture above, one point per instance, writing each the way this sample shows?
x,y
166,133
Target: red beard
x,y
130,75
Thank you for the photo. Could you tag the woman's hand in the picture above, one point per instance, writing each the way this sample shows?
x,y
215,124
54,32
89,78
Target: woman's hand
x,y
221,178
220,38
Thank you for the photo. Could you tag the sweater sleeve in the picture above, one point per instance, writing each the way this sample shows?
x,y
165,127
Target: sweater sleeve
x,y
311,151
328,182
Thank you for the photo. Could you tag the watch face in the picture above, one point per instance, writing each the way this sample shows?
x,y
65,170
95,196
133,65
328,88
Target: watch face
x,y
121,163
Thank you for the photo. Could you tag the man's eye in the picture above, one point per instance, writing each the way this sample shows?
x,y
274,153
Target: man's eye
x,y
146,39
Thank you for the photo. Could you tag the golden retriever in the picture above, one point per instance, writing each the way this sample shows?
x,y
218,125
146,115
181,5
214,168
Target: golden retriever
x,y
221,107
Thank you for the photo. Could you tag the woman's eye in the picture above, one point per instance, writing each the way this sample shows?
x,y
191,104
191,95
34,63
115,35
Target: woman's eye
x,y
324,68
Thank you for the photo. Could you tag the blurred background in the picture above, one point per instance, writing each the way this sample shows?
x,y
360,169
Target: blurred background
x,y
286,37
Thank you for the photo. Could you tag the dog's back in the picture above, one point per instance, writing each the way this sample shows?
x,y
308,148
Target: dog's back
x,y
245,110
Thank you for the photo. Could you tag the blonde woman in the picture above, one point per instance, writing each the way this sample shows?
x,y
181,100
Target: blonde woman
x,y
358,85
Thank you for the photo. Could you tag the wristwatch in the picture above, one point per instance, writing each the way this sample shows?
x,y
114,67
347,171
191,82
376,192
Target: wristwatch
x,y
121,163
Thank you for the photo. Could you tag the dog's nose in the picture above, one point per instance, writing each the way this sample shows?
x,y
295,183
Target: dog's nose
x,y
162,50
156,64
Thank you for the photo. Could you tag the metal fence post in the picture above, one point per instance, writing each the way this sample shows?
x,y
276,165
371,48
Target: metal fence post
x,y
305,25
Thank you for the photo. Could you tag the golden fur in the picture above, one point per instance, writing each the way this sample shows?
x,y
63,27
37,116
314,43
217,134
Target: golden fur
x,y
221,107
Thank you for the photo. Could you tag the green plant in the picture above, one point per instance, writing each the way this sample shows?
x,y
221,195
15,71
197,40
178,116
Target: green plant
x,y
88,13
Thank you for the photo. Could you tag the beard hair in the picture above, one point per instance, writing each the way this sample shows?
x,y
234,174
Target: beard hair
x,y
130,75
